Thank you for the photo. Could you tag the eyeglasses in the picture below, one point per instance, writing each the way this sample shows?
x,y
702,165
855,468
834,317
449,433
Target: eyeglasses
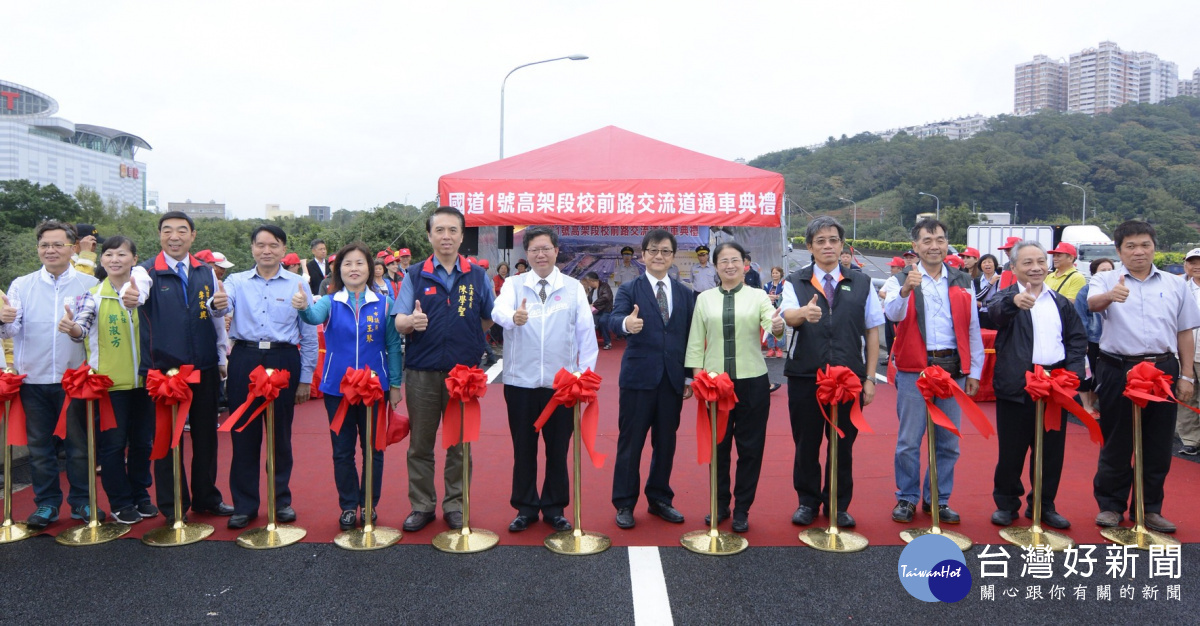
x,y
664,252
817,243
539,251
729,262
57,245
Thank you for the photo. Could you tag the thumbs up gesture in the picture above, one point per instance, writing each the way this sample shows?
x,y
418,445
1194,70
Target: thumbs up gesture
x,y
1024,300
1120,292
912,281
131,296
633,323
521,315
812,311
221,300
777,323
8,313
67,323
300,298
419,319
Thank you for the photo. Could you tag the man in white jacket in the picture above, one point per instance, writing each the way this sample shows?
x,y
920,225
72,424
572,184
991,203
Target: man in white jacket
x,y
548,326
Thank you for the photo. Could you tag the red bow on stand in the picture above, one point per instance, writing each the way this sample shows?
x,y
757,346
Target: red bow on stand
x,y
1057,389
362,386
1145,383
262,385
10,391
709,388
167,391
81,384
466,385
935,382
838,384
568,390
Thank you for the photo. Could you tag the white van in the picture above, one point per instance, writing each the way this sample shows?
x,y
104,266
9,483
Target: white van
x,y
1091,243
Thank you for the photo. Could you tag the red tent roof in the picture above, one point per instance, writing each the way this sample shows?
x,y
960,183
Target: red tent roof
x,y
642,181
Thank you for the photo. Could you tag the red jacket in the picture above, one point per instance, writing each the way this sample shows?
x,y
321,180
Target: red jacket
x,y
909,350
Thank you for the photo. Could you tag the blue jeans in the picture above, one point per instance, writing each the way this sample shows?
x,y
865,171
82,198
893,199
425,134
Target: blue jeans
x,y
601,320
42,405
910,408
773,343
126,476
350,486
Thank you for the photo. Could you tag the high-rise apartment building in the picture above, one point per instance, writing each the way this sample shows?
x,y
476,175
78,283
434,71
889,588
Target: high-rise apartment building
x,y
1158,79
1191,87
319,213
1102,79
1040,84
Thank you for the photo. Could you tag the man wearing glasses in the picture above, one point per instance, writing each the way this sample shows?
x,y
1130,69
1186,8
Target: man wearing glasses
x,y
28,315
656,312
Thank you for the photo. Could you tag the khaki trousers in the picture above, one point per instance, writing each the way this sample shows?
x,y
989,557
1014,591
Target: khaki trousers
x,y
427,399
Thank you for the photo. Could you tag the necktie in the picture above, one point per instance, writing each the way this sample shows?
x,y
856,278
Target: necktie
x,y
183,276
542,293
662,302
829,290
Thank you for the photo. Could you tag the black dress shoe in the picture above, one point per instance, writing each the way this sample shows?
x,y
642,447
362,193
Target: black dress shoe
x,y
453,519
804,515
625,518
845,520
1054,520
666,511
1003,518
418,520
221,509
903,512
239,521
520,523
560,523
286,515
946,515
347,519
722,515
741,523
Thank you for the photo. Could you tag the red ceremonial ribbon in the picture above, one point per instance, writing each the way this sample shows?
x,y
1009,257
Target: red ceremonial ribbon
x,y
1057,389
262,385
935,382
838,384
81,384
466,386
572,388
10,391
168,391
709,389
362,386
1145,383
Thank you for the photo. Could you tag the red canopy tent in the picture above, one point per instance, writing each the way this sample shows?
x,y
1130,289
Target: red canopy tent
x,y
614,177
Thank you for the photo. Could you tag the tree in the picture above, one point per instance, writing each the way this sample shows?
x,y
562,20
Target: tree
x,y
957,218
24,205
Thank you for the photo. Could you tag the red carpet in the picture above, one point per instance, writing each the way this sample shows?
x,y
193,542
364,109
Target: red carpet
x,y
315,498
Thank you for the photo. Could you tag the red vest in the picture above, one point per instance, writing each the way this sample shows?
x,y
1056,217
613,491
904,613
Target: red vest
x,y
909,349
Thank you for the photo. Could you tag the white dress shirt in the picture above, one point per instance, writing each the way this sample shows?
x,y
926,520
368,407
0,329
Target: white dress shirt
x,y
559,333
1047,328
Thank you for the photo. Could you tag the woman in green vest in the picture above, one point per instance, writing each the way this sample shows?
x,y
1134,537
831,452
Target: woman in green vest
x,y
105,320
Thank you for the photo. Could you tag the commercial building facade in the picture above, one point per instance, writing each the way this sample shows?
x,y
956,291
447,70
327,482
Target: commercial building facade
x,y
199,210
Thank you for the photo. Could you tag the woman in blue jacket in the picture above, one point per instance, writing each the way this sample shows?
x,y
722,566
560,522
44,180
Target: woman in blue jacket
x,y
358,333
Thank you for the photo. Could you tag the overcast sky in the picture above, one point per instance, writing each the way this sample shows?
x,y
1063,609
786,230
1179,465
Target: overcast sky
x,y
355,104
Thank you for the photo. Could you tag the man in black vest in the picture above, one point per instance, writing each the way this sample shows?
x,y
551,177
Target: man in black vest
x,y
840,315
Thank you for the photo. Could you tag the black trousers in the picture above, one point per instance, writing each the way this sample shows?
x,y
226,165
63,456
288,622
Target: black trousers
x,y
1114,471
646,411
809,430
203,419
748,426
247,445
1015,431
524,407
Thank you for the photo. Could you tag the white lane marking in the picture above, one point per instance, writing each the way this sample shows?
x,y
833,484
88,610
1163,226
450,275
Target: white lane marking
x,y
880,378
495,370
651,605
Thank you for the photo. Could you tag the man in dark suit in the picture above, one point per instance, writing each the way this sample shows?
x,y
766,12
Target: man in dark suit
x,y
600,296
655,311
317,266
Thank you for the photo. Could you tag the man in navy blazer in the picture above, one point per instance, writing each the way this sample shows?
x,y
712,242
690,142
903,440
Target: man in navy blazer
x,y
655,311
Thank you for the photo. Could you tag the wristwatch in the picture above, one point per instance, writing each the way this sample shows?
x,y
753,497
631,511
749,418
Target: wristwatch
x,y
1188,378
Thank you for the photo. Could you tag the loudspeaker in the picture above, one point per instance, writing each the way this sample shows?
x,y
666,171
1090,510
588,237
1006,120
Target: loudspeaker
x,y
470,242
504,238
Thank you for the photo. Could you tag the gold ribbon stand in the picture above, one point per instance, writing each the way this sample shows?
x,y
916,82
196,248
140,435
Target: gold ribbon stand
x,y
833,539
712,541
1035,535
178,532
272,535
577,541
1139,535
466,539
10,531
936,529
370,536
94,531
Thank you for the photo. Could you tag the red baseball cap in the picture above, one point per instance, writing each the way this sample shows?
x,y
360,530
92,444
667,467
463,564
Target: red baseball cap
x,y
1009,243
403,252
332,258
1065,248
291,259
381,254
971,252
897,262
206,256
389,259
954,261
484,264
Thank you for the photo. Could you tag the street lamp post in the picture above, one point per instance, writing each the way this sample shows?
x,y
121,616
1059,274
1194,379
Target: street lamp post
x,y
938,214
573,57
854,234
1082,217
